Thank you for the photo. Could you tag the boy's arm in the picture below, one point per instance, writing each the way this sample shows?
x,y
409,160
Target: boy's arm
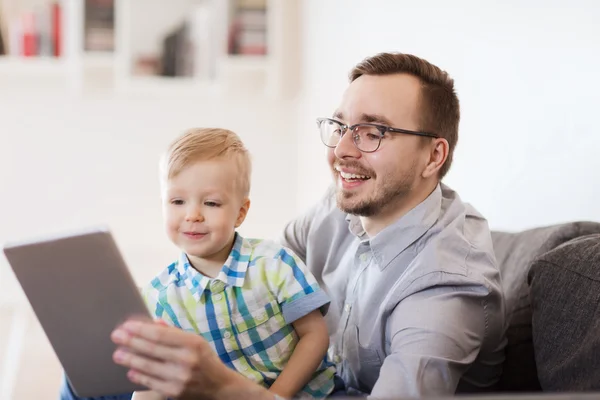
x,y
307,356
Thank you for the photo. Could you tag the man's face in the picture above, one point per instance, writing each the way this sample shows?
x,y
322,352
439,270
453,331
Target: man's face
x,y
370,183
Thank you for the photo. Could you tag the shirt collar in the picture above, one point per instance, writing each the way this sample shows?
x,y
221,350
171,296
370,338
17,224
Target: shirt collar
x,y
398,236
233,272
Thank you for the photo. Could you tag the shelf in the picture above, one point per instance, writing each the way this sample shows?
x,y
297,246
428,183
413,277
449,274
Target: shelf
x,y
140,29
31,65
245,62
48,66
160,85
99,59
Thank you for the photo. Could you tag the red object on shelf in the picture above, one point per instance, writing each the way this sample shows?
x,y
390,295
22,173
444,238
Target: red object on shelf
x,y
57,29
29,35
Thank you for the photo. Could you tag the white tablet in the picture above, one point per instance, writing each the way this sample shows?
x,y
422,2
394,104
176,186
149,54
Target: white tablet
x,y
80,290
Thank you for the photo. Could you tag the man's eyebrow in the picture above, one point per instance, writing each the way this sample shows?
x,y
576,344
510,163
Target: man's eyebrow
x,y
375,119
338,115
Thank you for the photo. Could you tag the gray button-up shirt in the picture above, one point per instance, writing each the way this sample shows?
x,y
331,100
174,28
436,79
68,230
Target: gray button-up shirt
x,y
416,310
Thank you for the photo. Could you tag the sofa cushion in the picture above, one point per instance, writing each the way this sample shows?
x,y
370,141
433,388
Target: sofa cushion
x,y
565,298
515,252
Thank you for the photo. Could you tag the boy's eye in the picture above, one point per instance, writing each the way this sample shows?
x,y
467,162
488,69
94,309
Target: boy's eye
x,y
211,204
177,202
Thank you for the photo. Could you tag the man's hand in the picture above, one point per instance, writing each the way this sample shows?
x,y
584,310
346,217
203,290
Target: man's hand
x,y
178,364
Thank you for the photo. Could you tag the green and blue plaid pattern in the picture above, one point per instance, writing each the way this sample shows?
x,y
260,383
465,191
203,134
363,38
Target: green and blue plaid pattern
x,y
246,312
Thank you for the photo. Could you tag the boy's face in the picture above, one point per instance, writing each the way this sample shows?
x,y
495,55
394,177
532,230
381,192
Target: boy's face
x,y
202,206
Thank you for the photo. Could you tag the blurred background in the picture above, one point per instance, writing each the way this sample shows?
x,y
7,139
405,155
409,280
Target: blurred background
x,y
91,92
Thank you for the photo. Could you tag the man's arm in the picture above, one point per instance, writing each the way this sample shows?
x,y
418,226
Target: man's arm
x,y
435,335
295,233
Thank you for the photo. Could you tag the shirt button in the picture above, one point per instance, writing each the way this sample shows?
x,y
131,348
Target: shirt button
x,y
221,322
347,307
227,335
227,346
218,297
261,316
245,367
217,286
337,359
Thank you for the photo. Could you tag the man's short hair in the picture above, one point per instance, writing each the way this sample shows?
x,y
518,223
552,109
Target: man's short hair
x,y
439,105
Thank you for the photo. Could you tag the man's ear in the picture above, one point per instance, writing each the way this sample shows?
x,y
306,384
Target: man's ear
x,y
438,154
243,212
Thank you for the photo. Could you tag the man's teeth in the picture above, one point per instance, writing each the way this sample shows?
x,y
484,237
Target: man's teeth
x,y
346,175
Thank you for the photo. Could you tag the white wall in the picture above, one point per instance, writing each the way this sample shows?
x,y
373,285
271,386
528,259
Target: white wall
x,y
68,162
527,77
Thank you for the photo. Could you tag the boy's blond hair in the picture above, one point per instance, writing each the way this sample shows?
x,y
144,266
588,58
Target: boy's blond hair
x,y
204,144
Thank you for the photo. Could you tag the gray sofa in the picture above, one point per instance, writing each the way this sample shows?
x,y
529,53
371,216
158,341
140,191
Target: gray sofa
x,y
551,278
548,340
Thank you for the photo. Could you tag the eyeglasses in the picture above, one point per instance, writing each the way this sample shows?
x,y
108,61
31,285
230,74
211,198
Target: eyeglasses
x,y
366,137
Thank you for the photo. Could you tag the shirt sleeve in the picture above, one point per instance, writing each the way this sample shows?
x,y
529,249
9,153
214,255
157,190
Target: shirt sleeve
x,y
435,335
298,292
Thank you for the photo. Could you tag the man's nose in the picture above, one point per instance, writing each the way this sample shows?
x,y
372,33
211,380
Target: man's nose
x,y
346,148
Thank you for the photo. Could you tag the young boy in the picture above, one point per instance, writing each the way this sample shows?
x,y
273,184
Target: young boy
x,y
252,300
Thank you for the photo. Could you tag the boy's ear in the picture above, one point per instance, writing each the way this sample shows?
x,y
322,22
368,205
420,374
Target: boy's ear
x,y
243,212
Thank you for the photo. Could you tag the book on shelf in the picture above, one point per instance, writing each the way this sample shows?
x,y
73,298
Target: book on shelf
x,y
31,31
99,25
187,50
248,28
2,45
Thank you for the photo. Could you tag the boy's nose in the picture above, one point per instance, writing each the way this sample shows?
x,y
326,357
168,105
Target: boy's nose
x,y
194,215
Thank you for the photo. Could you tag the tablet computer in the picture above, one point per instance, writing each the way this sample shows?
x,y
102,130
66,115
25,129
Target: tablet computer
x,y
80,289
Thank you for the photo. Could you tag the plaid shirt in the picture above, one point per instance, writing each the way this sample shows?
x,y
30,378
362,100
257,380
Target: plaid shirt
x,y
246,312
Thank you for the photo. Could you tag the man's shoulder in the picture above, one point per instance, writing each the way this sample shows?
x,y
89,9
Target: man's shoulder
x,y
459,243
462,226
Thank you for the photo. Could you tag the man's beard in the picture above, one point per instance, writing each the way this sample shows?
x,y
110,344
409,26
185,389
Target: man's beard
x,y
392,192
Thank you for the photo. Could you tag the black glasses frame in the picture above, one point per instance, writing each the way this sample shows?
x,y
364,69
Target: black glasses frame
x,y
381,128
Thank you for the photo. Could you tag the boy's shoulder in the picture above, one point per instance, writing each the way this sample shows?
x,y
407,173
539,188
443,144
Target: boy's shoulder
x,y
267,249
165,277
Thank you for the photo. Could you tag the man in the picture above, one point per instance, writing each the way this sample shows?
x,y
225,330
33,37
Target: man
x,y
417,308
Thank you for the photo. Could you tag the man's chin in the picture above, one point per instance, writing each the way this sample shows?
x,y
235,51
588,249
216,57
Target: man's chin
x,y
352,204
